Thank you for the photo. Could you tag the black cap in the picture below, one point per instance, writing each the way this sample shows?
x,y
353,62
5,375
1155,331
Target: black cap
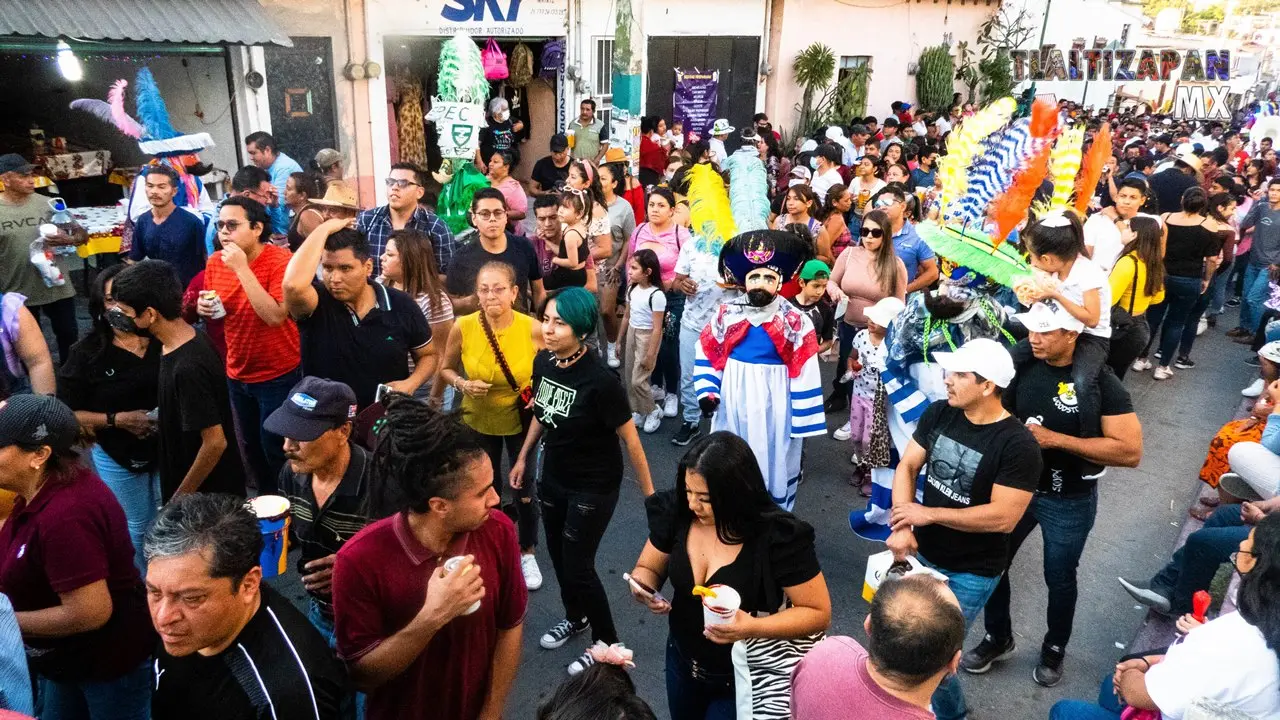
x,y
559,142
13,162
315,406
34,420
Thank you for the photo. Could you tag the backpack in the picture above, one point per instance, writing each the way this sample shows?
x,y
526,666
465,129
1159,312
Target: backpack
x,y
520,65
552,59
495,62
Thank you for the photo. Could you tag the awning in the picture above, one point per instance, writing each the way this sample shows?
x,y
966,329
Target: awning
x,y
237,22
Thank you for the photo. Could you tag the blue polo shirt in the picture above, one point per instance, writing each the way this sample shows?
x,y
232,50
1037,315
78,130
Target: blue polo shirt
x,y
911,249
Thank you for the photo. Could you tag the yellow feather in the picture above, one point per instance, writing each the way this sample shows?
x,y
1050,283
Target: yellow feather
x,y
1066,163
964,144
709,212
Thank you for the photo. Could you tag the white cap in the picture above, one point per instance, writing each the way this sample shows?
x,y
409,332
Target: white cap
x,y
984,357
884,311
1045,318
1270,351
809,145
834,132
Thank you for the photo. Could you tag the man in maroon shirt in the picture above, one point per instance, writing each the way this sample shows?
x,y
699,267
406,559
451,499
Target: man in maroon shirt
x,y
422,637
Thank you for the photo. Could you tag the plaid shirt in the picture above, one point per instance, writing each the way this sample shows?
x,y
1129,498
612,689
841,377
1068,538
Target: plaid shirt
x,y
376,225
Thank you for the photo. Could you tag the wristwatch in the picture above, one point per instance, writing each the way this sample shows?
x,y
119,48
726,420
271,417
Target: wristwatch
x,y
111,419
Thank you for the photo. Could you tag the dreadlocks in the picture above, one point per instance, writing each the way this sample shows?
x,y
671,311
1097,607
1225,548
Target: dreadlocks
x,y
420,454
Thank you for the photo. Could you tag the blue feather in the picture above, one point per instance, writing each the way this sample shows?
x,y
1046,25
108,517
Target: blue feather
x,y
1006,153
748,191
151,110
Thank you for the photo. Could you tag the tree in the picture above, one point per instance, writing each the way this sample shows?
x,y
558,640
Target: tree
x,y
935,75
1006,30
813,68
968,69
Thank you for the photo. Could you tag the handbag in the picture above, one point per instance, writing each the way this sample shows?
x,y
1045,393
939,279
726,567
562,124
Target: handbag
x,y
762,667
494,60
524,395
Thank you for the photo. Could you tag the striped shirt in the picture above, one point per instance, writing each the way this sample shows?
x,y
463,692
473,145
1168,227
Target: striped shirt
x,y
320,530
375,223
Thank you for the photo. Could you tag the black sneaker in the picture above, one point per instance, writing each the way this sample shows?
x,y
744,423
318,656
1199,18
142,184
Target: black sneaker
x,y
979,660
1185,363
686,434
1253,360
560,633
837,402
1049,671
1233,302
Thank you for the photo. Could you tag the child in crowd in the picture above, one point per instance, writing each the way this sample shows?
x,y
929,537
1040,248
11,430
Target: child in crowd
x,y
812,300
675,136
640,336
575,210
868,411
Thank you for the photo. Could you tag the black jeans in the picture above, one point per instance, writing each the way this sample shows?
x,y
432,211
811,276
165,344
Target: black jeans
x,y
62,316
695,694
521,510
666,372
574,523
1127,344
1260,337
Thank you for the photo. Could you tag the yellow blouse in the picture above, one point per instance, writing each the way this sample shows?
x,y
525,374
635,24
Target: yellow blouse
x,y
496,413
1123,285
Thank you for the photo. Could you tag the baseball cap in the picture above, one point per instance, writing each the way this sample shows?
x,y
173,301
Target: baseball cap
x,y
812,269
13,162
884,311
1270,351
36,420
1043,318
799,175
559,142
809,145
327,158
982,356
315,406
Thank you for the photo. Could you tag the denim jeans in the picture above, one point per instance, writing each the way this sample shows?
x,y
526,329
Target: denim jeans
x,y
973,592
688,398
574,523
1065,524
696,698
1107,708
1193,565
138,493
1218,289
252,403
352,702
1169,317
1257,287
125,698
521,509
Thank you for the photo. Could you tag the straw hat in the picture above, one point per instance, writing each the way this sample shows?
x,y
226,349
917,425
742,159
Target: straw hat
x,y
339,194
614,155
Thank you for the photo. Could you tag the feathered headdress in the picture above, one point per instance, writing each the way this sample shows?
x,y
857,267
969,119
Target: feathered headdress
x,y
461,79
1066,163
748,190
965,143
153,129
1091,168
710,215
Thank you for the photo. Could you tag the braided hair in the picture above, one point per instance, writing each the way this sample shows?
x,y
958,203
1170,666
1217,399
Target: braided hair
x,y
421,453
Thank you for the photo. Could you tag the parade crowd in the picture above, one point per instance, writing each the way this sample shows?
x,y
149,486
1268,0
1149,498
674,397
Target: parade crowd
x,y
373,368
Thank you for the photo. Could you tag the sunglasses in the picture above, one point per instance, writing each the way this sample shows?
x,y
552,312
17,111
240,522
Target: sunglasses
x,y
885,201
399,183
229,225
873,232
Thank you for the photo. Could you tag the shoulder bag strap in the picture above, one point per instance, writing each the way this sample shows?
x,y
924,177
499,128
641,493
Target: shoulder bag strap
x,y
497,354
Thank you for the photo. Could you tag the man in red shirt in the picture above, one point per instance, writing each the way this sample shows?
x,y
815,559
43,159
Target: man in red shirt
x,y
263,353
421,636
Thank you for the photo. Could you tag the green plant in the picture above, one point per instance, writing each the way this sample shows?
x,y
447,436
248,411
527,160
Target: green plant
x,y
813,69
1003,31
997,76
935,77
968,69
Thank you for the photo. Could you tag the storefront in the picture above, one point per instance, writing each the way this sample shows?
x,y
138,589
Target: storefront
x,y
405,37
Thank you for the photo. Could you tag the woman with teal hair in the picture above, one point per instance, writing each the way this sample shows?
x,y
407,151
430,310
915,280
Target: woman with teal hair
x,y
580,412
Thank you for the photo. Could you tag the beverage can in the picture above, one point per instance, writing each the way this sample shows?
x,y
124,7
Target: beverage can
x,y
452,564
212,296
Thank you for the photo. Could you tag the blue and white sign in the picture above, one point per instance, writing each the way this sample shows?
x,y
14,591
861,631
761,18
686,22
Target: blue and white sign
x,y
483,18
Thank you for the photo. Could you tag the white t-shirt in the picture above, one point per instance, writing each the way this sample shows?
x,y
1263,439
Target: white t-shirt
x,y
702,267
644,302
1226,660
716,150
1102,235
1085,275
823,182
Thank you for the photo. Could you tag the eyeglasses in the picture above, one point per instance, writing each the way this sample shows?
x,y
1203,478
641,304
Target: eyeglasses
x,y
486,291
1235,556
874,232
399,183
228,225
885,201
490,214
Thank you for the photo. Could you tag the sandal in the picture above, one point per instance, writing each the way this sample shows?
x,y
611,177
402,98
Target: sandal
x,y
1200,513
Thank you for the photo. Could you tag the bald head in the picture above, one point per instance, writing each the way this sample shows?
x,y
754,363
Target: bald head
x,y
915,628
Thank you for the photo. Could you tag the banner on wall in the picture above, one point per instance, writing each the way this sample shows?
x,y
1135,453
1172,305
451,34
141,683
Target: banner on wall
x,y
694,100
459,125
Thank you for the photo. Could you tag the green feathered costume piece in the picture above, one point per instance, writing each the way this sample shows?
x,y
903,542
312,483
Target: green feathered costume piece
x,y
975,250
455,198
461,79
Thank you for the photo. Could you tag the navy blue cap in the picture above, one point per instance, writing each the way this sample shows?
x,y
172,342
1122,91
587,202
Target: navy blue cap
x,y
315,406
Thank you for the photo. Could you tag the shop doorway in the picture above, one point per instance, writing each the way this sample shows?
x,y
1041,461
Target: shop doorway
x,y
737,59
300,95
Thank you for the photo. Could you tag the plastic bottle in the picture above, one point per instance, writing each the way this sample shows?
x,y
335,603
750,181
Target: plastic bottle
x,y
63,222
42,257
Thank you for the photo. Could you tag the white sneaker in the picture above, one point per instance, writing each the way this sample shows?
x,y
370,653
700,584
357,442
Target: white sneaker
x,y
658,393
1204,325
1141,365
611,356
1255,389
1163,373
653,420
671,406
855,459
584,661
637,418
532,573
844,433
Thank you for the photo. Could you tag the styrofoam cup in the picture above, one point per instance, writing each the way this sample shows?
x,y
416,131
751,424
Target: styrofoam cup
x,y
721,609
452,564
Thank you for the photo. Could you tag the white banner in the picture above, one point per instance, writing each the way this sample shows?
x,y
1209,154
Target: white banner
x,y
458,125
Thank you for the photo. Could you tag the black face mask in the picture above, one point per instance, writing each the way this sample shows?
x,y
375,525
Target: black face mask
x,y
759,297
119,321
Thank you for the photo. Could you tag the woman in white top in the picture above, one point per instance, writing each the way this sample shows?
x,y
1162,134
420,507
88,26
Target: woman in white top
x,y
409,265
863,186
800,205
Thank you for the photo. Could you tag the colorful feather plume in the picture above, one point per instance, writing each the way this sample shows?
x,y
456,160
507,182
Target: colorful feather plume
x,y
1011,208
461,76
1005,153
964,144
710,212
121,117
748,191
152,113
1065,160
1091,168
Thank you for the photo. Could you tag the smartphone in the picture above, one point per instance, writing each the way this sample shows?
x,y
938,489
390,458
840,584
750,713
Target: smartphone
x,y
382,390
643,589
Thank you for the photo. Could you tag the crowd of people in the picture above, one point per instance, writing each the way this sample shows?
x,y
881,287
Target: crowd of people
x,y
374,368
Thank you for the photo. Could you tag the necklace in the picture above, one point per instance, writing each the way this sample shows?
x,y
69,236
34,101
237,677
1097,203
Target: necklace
x,y
566,362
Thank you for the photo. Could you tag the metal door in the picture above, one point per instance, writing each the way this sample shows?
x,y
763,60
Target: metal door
x,y
300,94
737,59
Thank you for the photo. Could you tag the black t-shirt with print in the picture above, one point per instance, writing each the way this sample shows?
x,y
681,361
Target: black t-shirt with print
x,y
822,314
1048,394
964,462
580,408
548,176
499,137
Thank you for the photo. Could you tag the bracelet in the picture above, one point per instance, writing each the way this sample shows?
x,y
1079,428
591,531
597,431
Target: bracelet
x,y
1146,662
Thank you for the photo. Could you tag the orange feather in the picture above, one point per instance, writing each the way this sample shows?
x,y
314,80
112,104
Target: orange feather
x,y
1091,168
1011,208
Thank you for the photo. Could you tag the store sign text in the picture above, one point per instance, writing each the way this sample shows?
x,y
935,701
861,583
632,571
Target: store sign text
x,y
474,10
459,127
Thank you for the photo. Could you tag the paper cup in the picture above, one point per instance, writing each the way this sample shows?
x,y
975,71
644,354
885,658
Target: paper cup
x,y
721,609
452,564
273,523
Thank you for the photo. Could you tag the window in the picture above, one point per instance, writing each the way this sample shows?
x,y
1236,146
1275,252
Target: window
x,y
603,80
851,62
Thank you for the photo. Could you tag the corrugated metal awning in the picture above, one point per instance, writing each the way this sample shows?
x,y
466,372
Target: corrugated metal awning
x,y
238,22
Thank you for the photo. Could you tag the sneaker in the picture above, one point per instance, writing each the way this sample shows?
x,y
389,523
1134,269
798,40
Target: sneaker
x,y
686,434
979,660
1162,373
584,661
1254,390
671,406
1158,355
1235,486
837,402
560,633
637,418
1049,671
1184,363
658,393
1141,365
856,459
1213,321
1200,328
1253,361
1143,593
532,573
1233,302
844,433
653,421
611,356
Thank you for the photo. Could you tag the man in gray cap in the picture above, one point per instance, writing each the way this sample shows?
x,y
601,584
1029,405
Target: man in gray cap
x,y
329,163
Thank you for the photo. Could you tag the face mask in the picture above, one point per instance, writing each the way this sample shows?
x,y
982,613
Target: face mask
x,y
502,116
119,321
669,174
813,163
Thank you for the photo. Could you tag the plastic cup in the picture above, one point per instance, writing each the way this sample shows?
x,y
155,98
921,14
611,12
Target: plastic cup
x,y
452,564
273,523
569,136
721,609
